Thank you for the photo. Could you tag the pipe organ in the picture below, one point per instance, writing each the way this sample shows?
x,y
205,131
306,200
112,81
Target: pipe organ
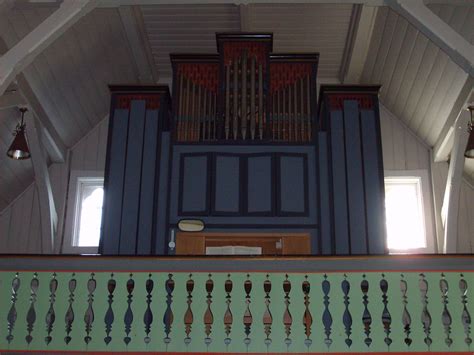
x,y
244,147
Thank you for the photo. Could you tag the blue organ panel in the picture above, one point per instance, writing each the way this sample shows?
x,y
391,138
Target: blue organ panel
x,y
260,185
341,222
194,184
374,192
131,191
293,194
324,196
226,185
116,166
355,178
148,182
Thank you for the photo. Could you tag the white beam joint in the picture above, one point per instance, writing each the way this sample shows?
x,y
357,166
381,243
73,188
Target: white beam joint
x,y
9,100
444,36
25,51
48,214
450,209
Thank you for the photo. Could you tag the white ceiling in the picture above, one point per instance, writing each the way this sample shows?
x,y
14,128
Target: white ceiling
x,y
70,78
420,83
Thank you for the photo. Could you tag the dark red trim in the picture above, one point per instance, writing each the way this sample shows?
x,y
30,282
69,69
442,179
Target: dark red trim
x,y
284,74
152,101
336,101
204,74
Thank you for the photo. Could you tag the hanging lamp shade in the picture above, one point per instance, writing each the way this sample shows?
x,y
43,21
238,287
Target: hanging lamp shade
x,y
19,148
469,153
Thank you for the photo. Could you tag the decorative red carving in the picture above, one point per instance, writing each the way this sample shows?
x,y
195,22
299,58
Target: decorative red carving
x,y
152,101
234,50
203,74
336,101
285,74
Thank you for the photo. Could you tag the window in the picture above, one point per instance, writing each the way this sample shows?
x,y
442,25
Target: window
x,y
409,227
86,194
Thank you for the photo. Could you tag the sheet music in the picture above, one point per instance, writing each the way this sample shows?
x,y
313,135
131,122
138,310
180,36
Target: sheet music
x,y
233,250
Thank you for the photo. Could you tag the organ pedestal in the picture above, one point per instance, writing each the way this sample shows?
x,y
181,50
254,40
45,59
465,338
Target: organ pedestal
x,y
246,149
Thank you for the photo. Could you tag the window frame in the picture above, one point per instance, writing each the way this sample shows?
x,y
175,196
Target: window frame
x,y
426,204
75,179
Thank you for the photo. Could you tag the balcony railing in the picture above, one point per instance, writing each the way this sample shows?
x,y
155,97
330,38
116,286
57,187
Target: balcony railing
x,y
222,305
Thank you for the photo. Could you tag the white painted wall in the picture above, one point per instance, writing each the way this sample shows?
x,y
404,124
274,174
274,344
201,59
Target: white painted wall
x,y
403,150
20,230
20,224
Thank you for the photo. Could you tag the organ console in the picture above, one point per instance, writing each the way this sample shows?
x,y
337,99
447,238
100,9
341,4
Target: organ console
x,y
244,147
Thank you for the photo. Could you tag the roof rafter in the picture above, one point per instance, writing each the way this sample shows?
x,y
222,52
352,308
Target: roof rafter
x,y
24,52
52,141
145,66
364,18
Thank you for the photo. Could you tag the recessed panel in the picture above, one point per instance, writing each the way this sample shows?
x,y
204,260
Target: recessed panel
x,y
293,185
259,192
194,184
227,183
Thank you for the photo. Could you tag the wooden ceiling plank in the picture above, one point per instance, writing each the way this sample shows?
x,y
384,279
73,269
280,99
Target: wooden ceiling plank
x,y
409,76
393,55
25,51
441,100
420,75
85,80
387,36
444,36
401,66
374,44
427,94
53,62
89,43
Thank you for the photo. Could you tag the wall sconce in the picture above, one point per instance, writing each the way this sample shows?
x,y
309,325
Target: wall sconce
x,y
469,153
19,148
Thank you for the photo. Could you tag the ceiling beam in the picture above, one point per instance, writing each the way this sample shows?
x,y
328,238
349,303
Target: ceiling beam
x,y
444,144
48,214
52,141
450,209
24,52
358,43
438,31
145,65
244,13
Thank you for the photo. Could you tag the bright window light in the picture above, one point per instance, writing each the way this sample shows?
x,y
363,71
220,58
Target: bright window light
x,y
404,214
88,217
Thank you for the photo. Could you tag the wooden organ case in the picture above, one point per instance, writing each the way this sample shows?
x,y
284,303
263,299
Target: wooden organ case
x,y
245,153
